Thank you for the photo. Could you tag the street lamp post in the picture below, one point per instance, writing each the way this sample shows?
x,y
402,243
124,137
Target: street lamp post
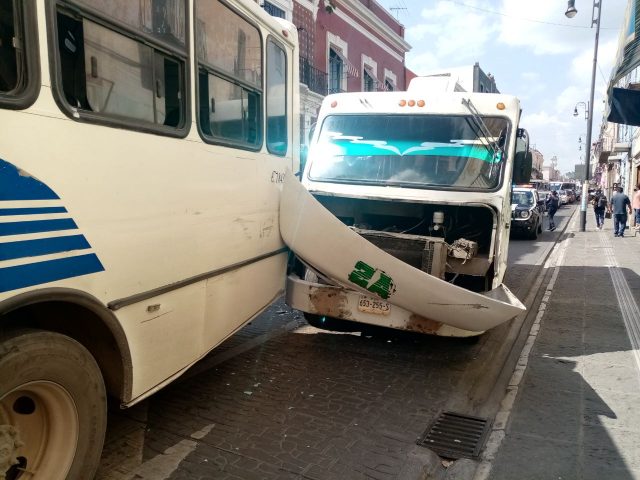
x,y
586,109
570,13
587,149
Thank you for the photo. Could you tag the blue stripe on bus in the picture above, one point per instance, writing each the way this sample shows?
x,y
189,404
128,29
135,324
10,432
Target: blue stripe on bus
x,y
31,211
42,246
21,276
19,185
36,226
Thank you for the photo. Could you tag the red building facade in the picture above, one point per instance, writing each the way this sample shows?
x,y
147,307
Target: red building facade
x,y
345,46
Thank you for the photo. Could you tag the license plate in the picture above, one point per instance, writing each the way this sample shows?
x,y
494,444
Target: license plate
x,y
374,305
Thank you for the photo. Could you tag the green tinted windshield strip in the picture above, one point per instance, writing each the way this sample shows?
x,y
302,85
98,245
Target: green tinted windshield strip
x,y
358,147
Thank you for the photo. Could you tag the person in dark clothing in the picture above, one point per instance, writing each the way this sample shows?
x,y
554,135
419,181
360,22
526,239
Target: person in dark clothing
x,y
552,203
599,206
620,205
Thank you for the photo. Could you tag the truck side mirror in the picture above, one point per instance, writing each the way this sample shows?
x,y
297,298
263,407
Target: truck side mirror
x,y
522,165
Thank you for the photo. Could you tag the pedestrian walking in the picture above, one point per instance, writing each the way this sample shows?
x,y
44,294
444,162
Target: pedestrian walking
x,y
599,206
552,204
635,203
620,204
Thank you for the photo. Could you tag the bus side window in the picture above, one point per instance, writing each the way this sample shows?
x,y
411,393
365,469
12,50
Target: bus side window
x,y
118,76
276,99
71,48
230,95
8,54
172,91
205,103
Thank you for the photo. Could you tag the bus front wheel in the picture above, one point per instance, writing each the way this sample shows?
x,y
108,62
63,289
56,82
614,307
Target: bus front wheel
x,y
53,408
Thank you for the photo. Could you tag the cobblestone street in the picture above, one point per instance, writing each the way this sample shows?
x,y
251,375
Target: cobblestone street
x,y
283,400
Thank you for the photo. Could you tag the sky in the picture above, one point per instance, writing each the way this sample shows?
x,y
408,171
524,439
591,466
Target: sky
x,y
533,51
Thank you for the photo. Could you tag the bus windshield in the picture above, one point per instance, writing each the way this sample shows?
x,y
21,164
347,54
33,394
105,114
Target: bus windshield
x,y
424,151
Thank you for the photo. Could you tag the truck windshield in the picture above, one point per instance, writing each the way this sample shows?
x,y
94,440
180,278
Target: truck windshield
x,y
425,151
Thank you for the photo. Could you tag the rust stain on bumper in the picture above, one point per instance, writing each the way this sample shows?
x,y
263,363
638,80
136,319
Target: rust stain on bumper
x,y
330,302
420,324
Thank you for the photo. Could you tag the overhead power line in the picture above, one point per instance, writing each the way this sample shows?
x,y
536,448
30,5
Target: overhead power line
x,y
493,12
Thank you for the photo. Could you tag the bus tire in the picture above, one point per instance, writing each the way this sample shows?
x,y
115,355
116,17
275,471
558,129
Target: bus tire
x,y
53,405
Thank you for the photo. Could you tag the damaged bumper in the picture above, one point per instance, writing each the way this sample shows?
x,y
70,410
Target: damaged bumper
x,y
338,302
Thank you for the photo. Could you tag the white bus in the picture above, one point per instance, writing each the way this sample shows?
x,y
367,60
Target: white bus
x,y
425,176
142,153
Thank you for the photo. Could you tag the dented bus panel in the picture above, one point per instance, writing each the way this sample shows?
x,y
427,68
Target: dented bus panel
x,y
402,218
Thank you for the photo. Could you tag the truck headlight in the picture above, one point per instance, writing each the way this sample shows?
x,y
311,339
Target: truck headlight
x,y
525,214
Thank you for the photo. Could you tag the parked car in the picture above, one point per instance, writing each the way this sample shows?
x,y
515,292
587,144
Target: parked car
x,y
563,196
526,212
571,193
542,198
578,192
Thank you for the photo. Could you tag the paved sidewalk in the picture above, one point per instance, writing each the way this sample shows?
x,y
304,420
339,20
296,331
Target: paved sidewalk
x,y
573,406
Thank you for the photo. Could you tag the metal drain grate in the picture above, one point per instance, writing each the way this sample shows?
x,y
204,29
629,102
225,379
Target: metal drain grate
x,y
454,435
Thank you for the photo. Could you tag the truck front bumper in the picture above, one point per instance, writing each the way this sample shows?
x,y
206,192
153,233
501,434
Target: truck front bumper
x,y
337,302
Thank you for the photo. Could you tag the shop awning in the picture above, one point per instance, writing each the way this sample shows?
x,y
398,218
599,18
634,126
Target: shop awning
x,y
624,106
604,156
349,67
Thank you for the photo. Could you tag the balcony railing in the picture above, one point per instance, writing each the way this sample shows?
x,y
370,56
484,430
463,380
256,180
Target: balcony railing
x,y
313,78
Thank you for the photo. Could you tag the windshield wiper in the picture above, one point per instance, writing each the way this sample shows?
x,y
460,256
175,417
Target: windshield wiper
x,y
481,130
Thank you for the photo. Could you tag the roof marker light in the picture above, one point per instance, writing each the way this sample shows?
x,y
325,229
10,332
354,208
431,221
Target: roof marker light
x,y
500,106
402,103
285,33
334,104
412,103
421,103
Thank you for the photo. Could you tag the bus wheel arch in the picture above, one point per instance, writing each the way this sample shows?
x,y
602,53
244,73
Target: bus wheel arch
x,y
81,317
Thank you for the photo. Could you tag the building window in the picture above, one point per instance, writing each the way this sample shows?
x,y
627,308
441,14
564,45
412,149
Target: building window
x,y
388,86
368,82
336,71
274,11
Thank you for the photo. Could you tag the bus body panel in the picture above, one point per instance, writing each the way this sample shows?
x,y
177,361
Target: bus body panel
x,y
178,238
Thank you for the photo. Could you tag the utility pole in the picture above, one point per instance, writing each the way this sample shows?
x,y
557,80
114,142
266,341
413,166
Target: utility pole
x,y
570,13
396,10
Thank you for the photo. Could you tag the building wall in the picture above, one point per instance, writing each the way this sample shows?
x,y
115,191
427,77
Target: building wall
x,y
364,39
483,82
304,19
538,162
364,34
471,78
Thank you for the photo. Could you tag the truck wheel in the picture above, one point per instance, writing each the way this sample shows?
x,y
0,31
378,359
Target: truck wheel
x,y
53,408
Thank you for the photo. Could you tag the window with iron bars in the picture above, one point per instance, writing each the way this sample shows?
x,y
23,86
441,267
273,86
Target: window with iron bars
x,y
272,10
369,83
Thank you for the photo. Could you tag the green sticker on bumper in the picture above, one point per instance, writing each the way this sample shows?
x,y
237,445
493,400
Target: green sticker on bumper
x,y
373,280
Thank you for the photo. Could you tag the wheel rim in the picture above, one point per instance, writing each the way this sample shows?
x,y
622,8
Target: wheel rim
x,y
46,419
